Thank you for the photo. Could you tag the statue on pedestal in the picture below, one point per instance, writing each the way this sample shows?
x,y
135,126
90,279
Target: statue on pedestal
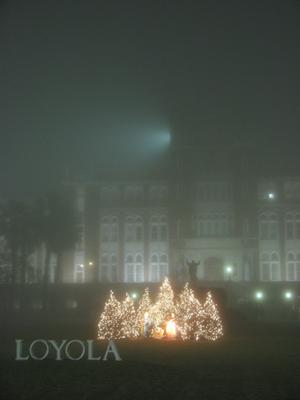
x,y
193,266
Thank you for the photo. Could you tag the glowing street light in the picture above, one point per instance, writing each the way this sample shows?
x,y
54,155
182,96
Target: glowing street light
x,y
91,264
229,271
259,295
134,295
288,295
271,196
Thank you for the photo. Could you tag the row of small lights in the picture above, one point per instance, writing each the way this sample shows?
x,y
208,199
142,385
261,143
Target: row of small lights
x,y
90,264
259,295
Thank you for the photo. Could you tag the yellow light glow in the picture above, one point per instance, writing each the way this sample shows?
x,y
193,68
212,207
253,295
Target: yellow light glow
x,y
171,329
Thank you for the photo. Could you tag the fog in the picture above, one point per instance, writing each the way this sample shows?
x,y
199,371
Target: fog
x,y
86,88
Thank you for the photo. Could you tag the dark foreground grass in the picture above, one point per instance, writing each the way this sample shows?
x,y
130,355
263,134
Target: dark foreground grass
x,y
234,368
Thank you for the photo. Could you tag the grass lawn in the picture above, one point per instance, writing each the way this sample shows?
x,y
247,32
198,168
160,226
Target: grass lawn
x,y
245,367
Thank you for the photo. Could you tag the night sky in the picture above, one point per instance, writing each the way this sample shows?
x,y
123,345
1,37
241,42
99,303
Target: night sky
x,y
92,85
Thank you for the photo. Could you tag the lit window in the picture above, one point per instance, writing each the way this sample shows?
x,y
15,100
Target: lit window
x,y
158,267
134,268
268,227
291,267
270,267
134,229
109,231
79,273
154,276
109,267
158,228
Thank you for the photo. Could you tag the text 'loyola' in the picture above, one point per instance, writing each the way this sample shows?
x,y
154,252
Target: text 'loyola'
x,y
41,349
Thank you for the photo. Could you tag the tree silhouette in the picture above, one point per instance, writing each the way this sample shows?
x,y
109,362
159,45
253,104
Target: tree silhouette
x,y
57,230
19,229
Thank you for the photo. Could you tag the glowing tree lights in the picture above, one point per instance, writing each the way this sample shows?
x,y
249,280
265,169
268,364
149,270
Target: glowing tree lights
x,y
189,315
110,324
212,325
143,310
164,306
129,324
183,318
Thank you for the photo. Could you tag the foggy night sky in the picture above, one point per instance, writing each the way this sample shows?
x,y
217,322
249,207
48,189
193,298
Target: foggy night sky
x,y
94,84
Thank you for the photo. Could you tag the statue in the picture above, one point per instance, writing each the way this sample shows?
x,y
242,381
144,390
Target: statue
x,y
193,270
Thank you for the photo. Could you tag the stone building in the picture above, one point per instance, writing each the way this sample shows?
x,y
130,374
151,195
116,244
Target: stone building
x,y
141,231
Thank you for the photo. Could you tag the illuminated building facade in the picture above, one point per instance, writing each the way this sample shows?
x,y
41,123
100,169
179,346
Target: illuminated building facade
x,y
233,223
144,231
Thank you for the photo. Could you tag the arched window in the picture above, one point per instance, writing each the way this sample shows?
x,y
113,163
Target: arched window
x,y
265,267
214,225
139,270
292,226
139,229
134,268
289,226
268,227
291,267
163,266
109,267
134,229
275,271
104,268
270,268
158,267
163,228
158,228
130,269
109,230
154,268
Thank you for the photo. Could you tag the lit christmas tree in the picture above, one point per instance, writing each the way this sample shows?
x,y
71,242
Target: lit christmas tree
x,y
164,306
189,315
163,319
129,325
110,323
212,325
144,307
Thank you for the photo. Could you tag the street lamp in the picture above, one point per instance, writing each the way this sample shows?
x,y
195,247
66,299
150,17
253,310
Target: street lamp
x,y
134,295
229,271
259,295
288,295
271,196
